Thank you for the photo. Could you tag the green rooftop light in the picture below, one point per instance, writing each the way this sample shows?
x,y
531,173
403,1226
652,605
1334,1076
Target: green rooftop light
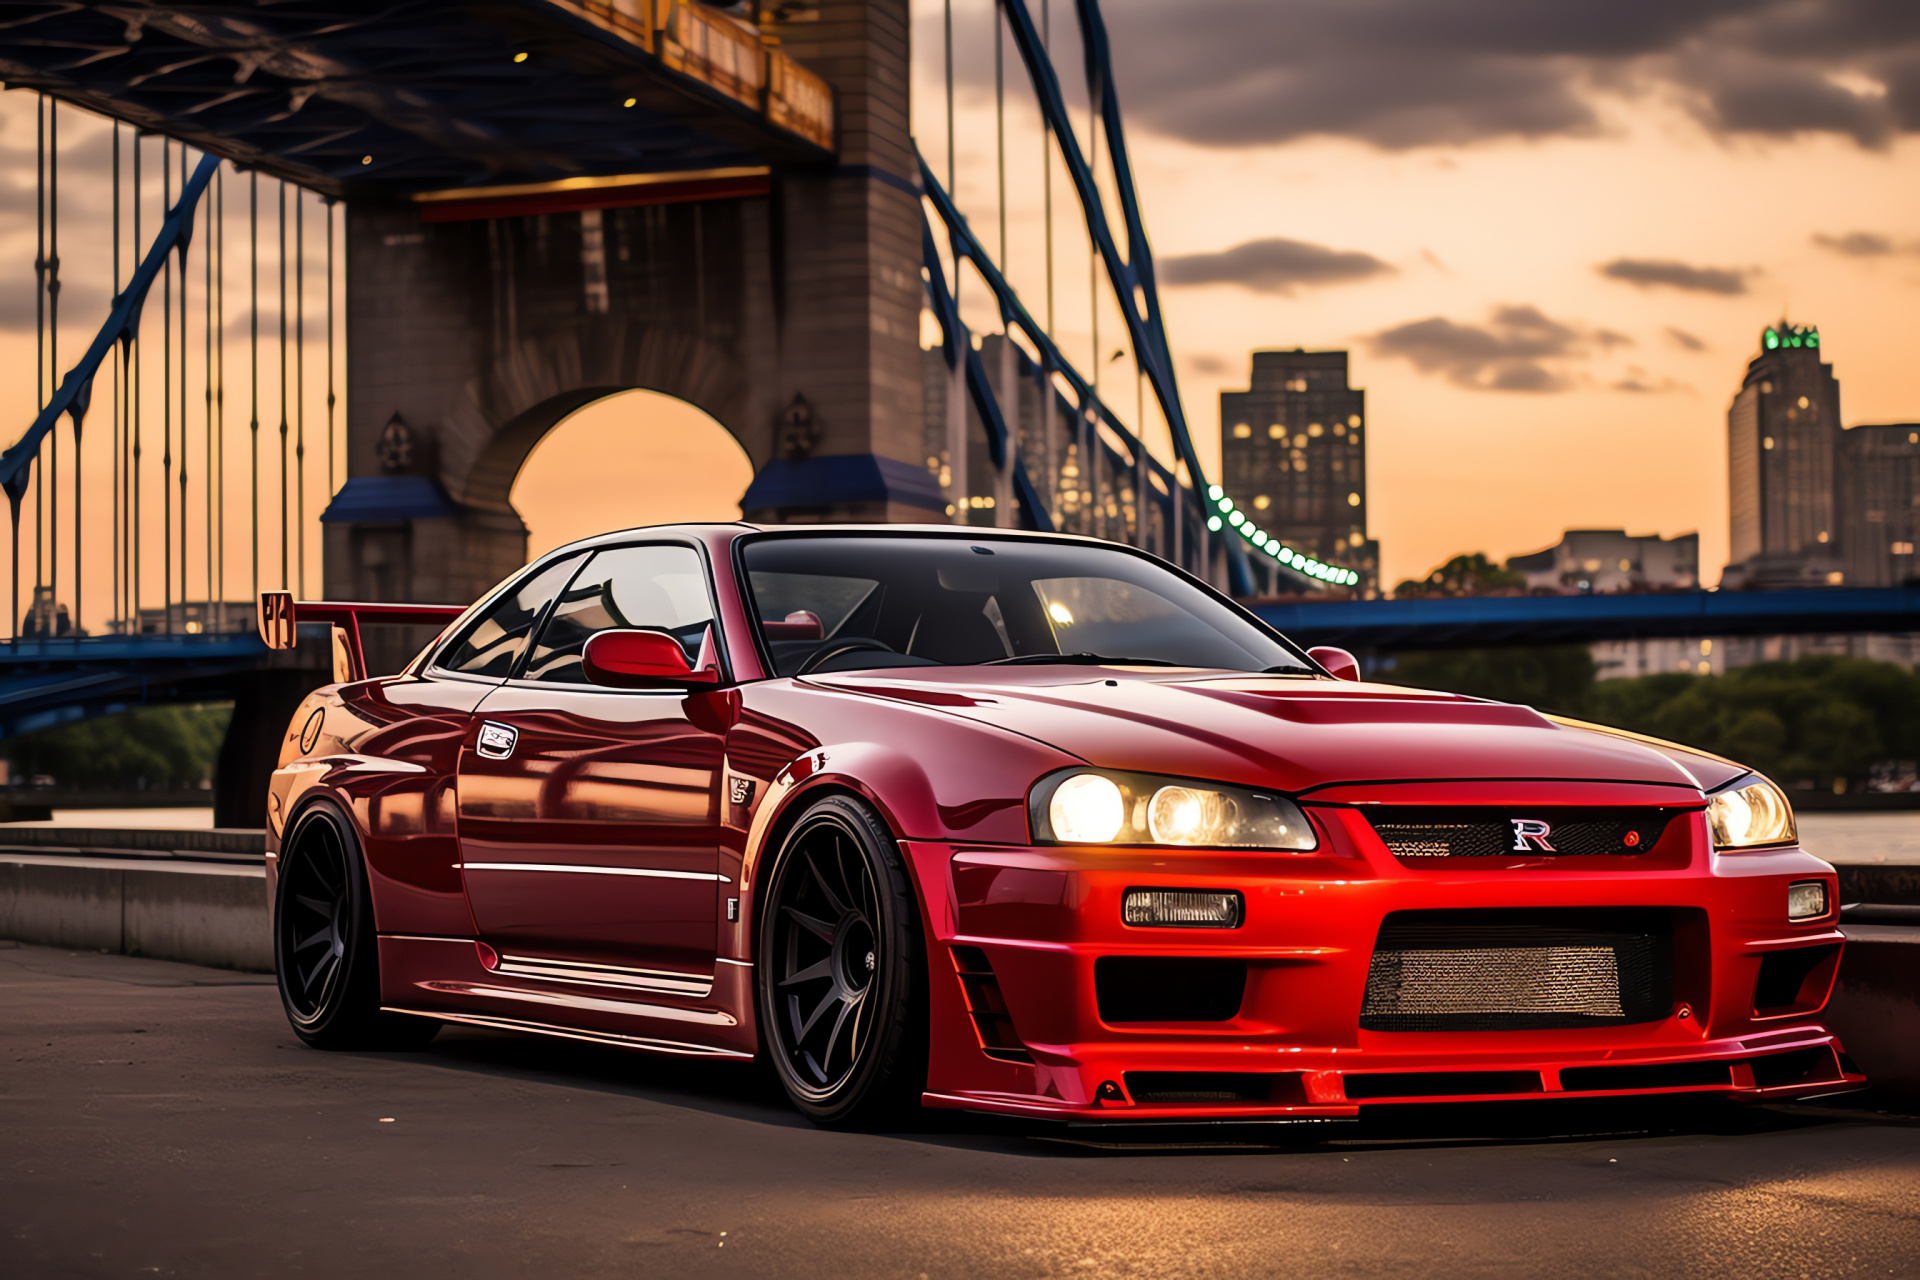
x,y
1790,336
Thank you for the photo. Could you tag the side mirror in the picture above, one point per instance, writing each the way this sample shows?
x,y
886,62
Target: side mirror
x,y
1340,664
645,659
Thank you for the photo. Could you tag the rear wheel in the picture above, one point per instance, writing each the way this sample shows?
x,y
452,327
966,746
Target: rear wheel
x,y
324,948
841,971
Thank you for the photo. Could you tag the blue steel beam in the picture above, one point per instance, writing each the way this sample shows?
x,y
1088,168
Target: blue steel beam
x,y
1490,622
1014,315
51,682
123,323
1131,276
955,346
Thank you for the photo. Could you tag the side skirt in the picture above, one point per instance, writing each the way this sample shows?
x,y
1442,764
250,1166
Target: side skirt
x,y
645,1044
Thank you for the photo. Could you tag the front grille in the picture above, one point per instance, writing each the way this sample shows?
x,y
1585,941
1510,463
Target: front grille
x,y
1417,834
1518,970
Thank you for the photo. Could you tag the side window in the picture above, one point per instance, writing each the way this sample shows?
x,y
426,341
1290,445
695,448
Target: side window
x,y
664,587
491,645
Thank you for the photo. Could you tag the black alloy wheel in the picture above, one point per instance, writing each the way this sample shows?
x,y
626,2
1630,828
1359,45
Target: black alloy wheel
x,y
324,949
842,974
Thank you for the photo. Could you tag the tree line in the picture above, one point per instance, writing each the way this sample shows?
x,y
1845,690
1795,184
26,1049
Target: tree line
x,y
1810,721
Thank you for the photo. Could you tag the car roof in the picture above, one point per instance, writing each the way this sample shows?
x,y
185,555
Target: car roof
x,y
739,527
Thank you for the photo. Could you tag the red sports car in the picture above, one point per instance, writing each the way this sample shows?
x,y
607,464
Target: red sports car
x,y
1025,824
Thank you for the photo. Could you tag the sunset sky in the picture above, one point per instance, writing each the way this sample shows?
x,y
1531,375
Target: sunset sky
x,y
1549,234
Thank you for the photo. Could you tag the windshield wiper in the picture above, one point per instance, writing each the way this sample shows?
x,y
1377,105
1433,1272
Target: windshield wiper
x,y
1078,660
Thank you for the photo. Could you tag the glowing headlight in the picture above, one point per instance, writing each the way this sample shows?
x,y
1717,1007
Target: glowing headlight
x,y
1755,814
1081,806
1087,809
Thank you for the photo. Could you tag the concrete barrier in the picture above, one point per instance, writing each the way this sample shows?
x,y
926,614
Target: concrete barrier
x,y
1876,1008
1880,883
200,913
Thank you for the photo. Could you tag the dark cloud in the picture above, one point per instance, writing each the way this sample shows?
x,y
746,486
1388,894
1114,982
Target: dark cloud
x,y
1406,73
1273,266
1208,365
1648,272
1858,244
1639,382
1684,340
1517,351
83,308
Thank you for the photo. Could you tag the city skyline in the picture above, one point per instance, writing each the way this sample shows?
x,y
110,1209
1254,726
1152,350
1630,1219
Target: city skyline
x,y
1549,254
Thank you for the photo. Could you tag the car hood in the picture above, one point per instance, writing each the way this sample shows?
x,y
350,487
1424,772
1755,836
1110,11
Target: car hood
x,y
1295,734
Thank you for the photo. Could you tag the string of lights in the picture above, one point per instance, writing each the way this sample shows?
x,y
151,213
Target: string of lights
x,y
1227,516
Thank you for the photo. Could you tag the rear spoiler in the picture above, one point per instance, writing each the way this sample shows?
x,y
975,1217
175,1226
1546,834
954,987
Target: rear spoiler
x,y
280,615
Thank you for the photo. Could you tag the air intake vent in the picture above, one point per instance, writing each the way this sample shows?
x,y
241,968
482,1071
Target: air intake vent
x,y
987,1006
1419,834
1518,970
1168,988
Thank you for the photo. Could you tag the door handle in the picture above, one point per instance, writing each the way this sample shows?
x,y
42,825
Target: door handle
x,y
497,741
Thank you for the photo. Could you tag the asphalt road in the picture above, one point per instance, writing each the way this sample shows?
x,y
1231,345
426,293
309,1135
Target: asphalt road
x,y
161,1119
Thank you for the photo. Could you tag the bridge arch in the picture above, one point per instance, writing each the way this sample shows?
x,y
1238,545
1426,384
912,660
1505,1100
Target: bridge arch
x,y
479,337
631,458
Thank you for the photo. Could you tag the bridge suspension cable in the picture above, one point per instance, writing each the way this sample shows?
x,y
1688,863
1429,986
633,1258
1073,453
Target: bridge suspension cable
x,y
189,547
1130,276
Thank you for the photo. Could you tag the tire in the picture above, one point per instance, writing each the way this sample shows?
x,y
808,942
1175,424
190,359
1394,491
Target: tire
x,y
326,955
842,970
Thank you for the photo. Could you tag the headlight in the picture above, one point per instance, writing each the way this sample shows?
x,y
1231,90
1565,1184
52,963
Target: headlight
x,y
1087,806
1755,814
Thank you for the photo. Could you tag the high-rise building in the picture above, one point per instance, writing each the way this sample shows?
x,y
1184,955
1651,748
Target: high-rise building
x,y
1293,456
1878,503
1782,435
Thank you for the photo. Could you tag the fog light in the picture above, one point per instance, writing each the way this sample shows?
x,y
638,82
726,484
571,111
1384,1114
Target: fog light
x,y
1807,900
1182,908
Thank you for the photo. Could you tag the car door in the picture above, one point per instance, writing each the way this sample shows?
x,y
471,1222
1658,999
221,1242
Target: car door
x,y
589,817
418,723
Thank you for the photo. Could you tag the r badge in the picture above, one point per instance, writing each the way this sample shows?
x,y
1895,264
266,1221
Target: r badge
x,y
496,740
740,790
1534,830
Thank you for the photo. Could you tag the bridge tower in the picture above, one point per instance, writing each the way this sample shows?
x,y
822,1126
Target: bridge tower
x,y
782,299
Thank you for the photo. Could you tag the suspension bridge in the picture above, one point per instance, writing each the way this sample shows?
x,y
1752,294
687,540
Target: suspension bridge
x,y
343,264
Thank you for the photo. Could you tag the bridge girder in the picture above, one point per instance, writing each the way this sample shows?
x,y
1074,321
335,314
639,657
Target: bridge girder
x,y
364,98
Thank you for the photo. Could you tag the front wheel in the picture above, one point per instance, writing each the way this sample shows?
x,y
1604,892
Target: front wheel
x,y
324,948
841,971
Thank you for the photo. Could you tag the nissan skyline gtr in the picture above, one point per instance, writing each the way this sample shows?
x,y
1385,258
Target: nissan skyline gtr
x,y
1018,823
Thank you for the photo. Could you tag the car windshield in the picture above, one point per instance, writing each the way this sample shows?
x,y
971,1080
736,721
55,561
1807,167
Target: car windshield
x,y
851,602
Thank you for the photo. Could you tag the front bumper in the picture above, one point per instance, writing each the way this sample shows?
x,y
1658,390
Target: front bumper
x,y
1018,1027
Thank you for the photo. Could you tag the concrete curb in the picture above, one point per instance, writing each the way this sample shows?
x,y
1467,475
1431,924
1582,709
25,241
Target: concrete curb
x,y
200,913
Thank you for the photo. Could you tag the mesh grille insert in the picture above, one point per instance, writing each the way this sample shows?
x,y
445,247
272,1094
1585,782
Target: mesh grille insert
x,y
1418,834
1518,970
